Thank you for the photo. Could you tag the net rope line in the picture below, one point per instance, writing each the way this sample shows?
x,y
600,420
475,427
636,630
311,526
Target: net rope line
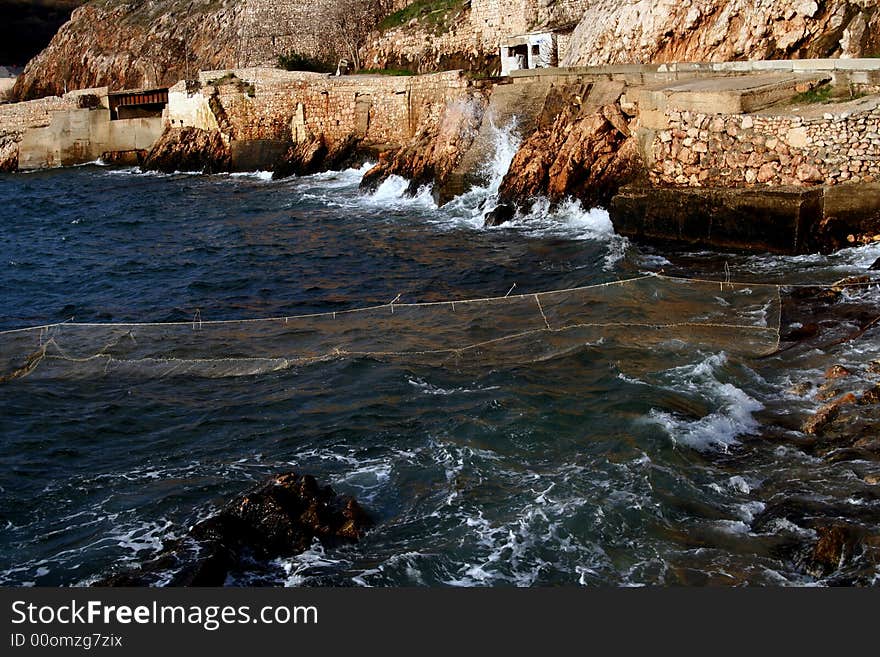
x,y
50,349
198,321
282,362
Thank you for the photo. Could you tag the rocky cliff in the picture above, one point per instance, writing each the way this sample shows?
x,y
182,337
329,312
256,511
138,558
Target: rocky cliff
x,y
135,43
142,43
719,30
592,32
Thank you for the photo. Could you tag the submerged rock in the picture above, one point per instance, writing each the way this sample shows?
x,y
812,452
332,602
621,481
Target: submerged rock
x,y
500,215
188,149
314,156
827,414
836,545
280,518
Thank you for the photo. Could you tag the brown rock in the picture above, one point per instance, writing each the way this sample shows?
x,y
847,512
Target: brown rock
x,y
871,395
574,153
801,389
280,518
836,544
827,414
766,173
807,173
302,159
837,372
499,215
188,149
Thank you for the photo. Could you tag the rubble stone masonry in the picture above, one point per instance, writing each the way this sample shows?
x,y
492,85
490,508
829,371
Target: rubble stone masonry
x,y
271,104
816,146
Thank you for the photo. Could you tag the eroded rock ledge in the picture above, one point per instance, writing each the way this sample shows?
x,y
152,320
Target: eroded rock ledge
x,y
280,518
577,151
188,149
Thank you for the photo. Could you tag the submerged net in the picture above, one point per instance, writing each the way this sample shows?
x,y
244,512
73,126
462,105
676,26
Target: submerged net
x,y
648,312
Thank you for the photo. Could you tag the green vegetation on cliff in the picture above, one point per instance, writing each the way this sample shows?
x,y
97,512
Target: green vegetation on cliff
x,y
425,11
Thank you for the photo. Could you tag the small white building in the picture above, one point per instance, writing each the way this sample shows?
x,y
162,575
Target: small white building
x,y
525,51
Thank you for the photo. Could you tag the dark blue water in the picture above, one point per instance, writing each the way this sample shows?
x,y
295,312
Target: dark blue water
x,y
607,466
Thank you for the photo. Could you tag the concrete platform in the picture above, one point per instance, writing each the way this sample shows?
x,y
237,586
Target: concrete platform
x,y
728,94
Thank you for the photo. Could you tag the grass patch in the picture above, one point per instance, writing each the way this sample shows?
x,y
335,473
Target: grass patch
x,y
231,78
432,12
818,95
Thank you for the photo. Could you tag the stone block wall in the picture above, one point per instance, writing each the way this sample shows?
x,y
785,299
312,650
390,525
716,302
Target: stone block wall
x,y
17,117
283,105
269,29
818,147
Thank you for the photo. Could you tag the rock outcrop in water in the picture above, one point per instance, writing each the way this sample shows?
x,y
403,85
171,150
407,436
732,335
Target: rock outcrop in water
x,y
576,152
278,519
435,149
188,149
314,156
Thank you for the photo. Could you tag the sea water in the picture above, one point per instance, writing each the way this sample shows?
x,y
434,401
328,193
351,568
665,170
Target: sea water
x,y
596,468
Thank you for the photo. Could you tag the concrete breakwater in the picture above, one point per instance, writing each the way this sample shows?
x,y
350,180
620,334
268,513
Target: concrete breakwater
x,y
742,154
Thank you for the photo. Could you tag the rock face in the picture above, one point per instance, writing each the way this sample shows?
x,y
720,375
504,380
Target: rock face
x,y
314,156
188,149
8,153
124,45
634,31
437,147
709,30
576,152
278,519
127,45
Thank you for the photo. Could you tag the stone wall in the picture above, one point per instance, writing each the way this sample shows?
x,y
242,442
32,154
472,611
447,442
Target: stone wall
x,y
270,104
815,147
75,135
17,117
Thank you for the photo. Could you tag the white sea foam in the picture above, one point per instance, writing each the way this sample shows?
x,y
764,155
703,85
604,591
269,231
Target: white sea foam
x,y
301,568
256,175
733,417
430,389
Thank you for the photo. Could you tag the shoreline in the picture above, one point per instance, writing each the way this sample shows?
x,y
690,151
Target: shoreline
x,y
706,154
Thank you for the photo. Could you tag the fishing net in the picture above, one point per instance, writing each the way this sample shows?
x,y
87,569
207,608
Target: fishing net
x,y
649,312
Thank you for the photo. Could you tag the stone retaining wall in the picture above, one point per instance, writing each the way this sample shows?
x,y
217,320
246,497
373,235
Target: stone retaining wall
x,y
840,145
17,117
270,104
